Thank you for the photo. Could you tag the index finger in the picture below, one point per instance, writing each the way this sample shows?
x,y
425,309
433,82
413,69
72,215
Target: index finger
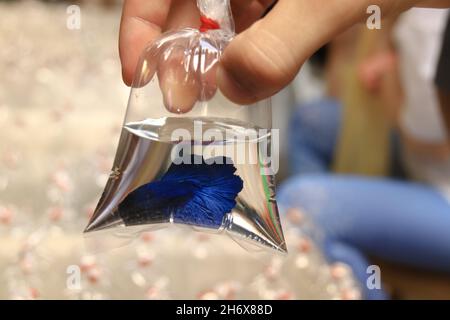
x,y
142,21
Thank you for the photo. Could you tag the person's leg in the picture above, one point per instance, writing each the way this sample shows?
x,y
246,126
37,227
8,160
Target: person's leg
x,y
403,222
313,131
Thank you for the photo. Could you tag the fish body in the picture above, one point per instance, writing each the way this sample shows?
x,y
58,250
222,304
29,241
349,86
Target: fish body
x,y
198,194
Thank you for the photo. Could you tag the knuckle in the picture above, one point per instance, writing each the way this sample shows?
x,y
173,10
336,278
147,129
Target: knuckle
x,y
267,59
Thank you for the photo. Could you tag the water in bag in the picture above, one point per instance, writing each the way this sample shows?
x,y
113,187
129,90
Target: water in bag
x,y
207,167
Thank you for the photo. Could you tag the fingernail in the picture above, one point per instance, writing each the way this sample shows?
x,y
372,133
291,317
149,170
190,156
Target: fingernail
x,y
180,93
180,87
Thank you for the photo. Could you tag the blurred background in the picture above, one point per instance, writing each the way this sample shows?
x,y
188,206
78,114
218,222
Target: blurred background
x,y
365,176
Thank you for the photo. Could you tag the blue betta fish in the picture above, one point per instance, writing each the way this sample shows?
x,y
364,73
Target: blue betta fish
x,y
198,194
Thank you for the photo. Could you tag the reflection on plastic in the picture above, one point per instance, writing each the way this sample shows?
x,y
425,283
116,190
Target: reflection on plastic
x,y
213,191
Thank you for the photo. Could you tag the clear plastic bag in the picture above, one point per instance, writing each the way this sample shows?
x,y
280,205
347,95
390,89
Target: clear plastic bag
x,y
187,155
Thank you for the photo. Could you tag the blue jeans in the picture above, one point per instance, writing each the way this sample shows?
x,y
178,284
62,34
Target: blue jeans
x,y
400,221
313,133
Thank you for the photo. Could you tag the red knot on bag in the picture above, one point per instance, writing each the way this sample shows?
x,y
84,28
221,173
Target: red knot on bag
x,y
208,24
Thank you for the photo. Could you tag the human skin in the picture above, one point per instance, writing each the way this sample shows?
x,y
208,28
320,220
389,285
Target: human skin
x,y
268,52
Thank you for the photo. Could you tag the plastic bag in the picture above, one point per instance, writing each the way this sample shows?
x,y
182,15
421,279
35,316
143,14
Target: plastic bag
x,y
187,155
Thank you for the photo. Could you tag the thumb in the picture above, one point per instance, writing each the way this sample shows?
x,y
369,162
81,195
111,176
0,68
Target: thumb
x,y
266,57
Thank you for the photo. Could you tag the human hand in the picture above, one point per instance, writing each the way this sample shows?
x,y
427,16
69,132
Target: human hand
x,y
268,53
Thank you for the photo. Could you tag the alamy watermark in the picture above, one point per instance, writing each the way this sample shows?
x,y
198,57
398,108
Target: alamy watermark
x,y
73,280
73,21
239,146
373,281
374,20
